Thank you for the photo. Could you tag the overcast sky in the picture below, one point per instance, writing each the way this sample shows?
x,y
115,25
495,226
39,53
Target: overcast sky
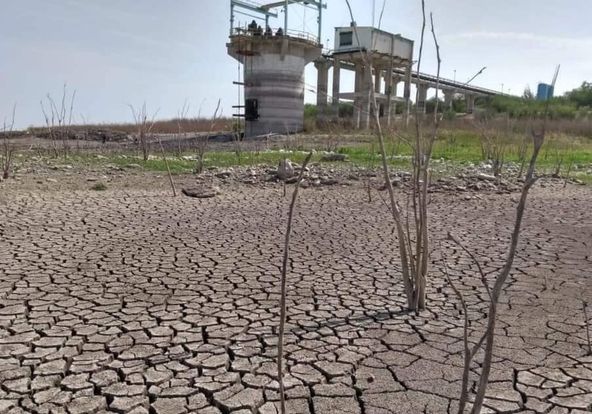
x,y
120,52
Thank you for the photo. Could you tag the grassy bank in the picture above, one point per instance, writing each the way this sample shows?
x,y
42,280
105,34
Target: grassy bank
x,y
453,150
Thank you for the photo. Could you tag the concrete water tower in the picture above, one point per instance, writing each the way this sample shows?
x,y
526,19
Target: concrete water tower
x,y
273,60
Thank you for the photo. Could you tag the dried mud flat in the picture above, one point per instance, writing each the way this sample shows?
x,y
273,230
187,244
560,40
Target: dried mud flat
x,y
132,301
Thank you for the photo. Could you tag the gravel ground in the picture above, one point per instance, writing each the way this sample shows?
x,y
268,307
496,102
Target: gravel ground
x,y
129,300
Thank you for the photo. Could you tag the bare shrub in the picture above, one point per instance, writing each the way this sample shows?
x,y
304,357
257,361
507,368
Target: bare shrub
x,y
7,147
58,120
494,142
413,238
180,120
144,125
522,151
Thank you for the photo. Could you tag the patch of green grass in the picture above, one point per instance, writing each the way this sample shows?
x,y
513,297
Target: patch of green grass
x,y
99,187
455,148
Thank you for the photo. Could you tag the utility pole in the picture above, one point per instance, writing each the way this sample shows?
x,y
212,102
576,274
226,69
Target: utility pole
x,y
373,11
286,18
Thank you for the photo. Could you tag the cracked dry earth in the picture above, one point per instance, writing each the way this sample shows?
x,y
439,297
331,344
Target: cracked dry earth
x,y
135,302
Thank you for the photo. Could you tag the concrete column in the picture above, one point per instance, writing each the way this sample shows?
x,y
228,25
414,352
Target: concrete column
x,y
388,86
422,97
322,82
448,98
366,93
336,83
377,80
407,94
394,83
358,94
391,91
470,100
378,87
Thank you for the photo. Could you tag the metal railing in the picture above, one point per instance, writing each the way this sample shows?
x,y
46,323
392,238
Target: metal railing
x,y
273,32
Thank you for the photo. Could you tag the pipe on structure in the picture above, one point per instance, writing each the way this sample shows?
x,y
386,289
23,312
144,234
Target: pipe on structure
x,y
286,18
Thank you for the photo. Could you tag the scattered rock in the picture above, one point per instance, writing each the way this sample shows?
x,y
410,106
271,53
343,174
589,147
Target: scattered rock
x,y
285,169
486,177
203,191
224,174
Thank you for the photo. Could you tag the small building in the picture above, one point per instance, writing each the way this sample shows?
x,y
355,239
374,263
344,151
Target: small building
x,y
391,58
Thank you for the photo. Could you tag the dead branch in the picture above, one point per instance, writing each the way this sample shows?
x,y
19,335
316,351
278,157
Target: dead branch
x,y
538,138
203,141
587,326
282,326
464,396
474,259
166,163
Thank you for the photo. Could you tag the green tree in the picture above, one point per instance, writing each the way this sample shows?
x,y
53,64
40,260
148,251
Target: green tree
x,y
581,96
528,95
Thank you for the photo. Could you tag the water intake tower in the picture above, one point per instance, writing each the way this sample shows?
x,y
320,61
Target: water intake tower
x,y
273,61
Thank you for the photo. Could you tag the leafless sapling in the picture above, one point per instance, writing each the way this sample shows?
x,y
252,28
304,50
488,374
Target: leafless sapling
x,y
168,167
144,126
7,147
181,120
58,119
204,140
283,293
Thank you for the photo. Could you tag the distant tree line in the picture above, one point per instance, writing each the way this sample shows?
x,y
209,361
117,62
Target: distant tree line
x,y
575,104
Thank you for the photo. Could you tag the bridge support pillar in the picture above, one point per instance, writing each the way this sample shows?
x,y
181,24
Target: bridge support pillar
x,y
366,94
362,96
378,89
407,95
422,97
322,82
377,80
470,100
357,96
336,83
448,99
391,93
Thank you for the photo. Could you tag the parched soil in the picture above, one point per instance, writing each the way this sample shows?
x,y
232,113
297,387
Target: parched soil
x,y
129,300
